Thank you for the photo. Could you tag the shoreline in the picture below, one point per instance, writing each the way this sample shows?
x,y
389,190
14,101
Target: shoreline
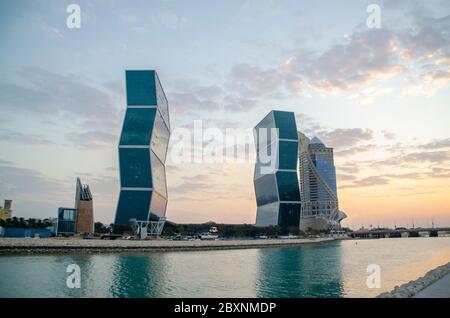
x,y
11,246
416,287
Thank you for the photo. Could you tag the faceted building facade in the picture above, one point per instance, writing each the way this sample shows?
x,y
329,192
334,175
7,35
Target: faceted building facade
x,y
85,208
275,177
143,149
320,208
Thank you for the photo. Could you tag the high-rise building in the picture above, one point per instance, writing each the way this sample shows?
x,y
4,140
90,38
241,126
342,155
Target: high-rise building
x,y
6,212
275,177
320,207
143,149
85,208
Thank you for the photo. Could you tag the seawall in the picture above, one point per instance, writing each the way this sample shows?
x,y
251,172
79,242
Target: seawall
x,y
52,245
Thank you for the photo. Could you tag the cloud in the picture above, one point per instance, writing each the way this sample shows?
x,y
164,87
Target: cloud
x,y
355,150
51,96
367,182
10,136
170,20
436,157
345,177
348,167
24,183
437,144
431,156
248,80
346,137
192,186
52,32
186,102
388,135
360,65
42,92
366,57
93,139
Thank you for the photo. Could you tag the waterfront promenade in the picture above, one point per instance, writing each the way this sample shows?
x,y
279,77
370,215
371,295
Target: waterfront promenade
x,y
30,245
439,289
434,284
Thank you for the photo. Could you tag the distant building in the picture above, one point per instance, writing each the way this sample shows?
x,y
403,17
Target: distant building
x,y
85,208
67,221
6,212
142,150
295,177
276,182
318,190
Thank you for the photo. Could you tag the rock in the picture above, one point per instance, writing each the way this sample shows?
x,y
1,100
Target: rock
x,y
413,287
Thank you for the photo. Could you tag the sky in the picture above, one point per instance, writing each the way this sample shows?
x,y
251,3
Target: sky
x,y
378,96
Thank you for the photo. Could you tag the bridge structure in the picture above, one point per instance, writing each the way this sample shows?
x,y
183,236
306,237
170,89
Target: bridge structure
x,y
401,232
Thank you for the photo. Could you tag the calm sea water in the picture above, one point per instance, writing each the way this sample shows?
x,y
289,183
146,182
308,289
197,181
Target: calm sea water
x,y
336,269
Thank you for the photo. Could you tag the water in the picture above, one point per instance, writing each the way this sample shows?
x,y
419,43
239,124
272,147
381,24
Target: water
x,y
336,269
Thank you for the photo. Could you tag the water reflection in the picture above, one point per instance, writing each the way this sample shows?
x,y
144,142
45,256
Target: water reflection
x,y
336,269
138,275
308,271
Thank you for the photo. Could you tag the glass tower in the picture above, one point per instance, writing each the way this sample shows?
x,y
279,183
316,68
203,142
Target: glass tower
x,y
275,177
143,149
320,208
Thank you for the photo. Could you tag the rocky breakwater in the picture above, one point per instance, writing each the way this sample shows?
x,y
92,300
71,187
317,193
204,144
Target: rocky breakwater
x,y
411,288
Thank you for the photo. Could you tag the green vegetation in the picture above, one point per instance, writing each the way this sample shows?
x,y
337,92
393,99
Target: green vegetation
x,y
100,228
31,223
227,230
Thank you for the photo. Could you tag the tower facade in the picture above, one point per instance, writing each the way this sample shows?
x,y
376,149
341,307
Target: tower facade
x,y
275,177
143,149
6,212
320,207
85,208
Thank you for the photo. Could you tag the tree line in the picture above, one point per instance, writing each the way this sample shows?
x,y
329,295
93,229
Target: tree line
x,y
170,229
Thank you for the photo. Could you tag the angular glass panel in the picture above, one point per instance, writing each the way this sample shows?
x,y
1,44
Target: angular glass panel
x,y
328,172
135,169
163,105
160,138
137,126
289,215
288,186
285,121
157,206
288,155
133,205
264,164
267,215
66,227
266,190
141,88
263,132
159,175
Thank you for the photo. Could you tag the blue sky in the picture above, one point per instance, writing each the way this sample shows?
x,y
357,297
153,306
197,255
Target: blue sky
x,y
372,94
